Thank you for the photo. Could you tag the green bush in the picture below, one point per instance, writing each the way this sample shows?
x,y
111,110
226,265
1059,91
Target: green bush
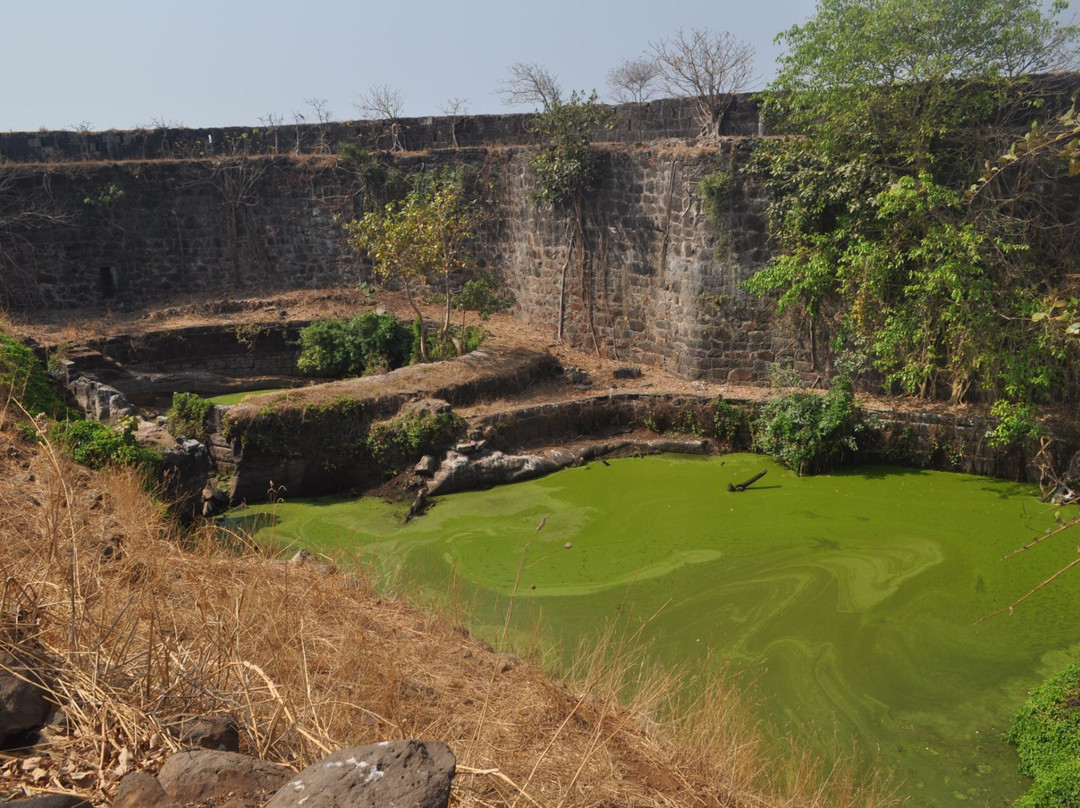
x,y
190,417
398,443
1046,734
807,432
716,190
98,445
1015,423
369,343
23,379
727,420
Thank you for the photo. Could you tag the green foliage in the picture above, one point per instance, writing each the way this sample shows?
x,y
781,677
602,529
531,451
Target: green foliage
x,y
481,294
716,190
728,420
666,417
106,196
807,432
98,445
379,182
369,343
427,236
190,417
569,167
892,107
23,379
398,443
1016,422
1046,734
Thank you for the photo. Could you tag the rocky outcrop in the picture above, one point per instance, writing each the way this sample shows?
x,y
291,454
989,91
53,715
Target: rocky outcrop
x,y
100,401
481,469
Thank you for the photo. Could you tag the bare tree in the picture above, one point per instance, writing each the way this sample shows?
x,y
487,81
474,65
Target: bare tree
x,y
633,80
530,83
384,103
455,109
23,212
321,114
708,67
272,121
381,102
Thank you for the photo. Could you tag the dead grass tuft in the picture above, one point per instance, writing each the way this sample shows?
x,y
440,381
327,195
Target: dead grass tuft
x,y
134,623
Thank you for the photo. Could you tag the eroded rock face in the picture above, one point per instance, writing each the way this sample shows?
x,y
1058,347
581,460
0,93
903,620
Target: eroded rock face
x,y
200,774
416,774
100,401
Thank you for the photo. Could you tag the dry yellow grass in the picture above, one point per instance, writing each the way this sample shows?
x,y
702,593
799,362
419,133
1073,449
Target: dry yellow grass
x,y
136,623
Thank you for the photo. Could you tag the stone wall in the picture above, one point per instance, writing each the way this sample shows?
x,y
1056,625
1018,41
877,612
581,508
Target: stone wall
x,y
672,118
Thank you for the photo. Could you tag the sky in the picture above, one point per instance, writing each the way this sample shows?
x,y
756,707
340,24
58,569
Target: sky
x,y
104,64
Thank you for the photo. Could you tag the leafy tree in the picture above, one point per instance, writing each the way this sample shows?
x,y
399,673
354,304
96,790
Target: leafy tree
x,y
568,169
887,110
426,237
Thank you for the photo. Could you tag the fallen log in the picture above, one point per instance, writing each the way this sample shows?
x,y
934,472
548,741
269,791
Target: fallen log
x,y
748,483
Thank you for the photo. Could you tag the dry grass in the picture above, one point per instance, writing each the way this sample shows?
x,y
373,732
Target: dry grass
x,y
135,623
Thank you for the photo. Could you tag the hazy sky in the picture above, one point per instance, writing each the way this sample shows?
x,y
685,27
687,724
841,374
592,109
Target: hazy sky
x,y
120,63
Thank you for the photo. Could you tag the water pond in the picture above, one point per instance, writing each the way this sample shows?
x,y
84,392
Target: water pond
x,y
847,602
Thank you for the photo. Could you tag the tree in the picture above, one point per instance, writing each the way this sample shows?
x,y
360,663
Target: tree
x,y
427,235
633,80
567,171
530,83
888,109
455,109
707,67
384,103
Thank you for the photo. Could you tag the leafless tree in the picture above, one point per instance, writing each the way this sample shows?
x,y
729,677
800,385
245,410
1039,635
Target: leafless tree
x,y
381,102
707,67
271,122
321,115
633,80
455,109
384,103
530,83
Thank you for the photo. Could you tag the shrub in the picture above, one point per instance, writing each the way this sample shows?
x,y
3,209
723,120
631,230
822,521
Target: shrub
x,y
727,420
190,417
366,344
807,432
1046,734
716,190
98,445
1015,423
23,379
398,443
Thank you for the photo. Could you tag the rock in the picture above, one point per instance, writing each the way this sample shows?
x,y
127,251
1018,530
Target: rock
x,y
220,732
505,663
470,447
627,372
426,406
141,789
740,376
577,376
99,401
52,801
23,703
199,774
185,471
427,466
416,774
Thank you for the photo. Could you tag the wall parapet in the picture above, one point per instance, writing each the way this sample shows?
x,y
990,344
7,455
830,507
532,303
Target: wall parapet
x,y
664,119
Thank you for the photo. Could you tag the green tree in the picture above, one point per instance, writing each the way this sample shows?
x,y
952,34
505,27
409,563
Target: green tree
x,y
426,237
887,110
568,169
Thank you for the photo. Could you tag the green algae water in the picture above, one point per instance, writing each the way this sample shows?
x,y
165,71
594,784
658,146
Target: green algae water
x,y
848,602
